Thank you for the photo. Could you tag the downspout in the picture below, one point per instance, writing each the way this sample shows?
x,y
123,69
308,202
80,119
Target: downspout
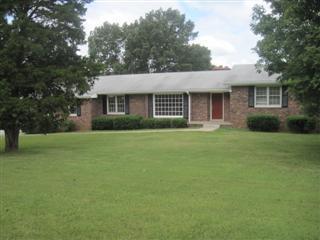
x,y
189,106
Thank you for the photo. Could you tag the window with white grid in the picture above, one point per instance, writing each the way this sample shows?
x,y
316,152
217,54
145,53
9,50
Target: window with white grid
x,y
168,105
268,97
116,104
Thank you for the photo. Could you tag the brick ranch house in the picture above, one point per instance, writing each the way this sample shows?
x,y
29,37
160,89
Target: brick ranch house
x,y
223,96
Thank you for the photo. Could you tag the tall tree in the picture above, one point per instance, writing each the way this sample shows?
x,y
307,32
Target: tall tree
x,y
155,42
40,70
158,42
106,45
290,45
195,58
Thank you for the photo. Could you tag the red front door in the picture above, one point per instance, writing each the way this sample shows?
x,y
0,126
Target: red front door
x,y
217,105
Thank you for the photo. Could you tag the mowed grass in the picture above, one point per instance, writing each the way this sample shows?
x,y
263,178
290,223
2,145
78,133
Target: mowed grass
x,y
227,184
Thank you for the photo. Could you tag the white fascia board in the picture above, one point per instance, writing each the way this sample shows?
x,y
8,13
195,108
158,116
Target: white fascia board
x,y
168,91
255,84
87,96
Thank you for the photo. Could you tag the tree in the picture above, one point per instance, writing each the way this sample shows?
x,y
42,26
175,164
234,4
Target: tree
x,y
290,45
40,71
154,43
106,46
158,42
195,58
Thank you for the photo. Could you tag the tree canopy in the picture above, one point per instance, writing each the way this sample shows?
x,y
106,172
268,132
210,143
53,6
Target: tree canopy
x,y
158,42
40,70
290,45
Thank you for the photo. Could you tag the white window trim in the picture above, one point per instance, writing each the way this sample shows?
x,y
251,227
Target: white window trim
x,y
267,105
165,116
116,105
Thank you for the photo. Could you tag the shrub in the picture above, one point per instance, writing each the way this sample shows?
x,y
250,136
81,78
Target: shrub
x,y
265,123
67,126
102,123
301,124
179,123
127,122
148,123
162,123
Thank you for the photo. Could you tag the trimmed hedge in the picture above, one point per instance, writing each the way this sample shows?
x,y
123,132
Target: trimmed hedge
x,y
179,123
264,123
128,122
164,123
102,123
301,124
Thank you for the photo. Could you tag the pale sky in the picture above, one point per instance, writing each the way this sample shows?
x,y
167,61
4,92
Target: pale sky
x,y
223,25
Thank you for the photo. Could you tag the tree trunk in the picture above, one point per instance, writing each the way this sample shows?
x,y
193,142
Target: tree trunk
x,y
12,139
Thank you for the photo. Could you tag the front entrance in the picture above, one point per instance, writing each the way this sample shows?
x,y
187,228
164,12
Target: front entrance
x,y
217,106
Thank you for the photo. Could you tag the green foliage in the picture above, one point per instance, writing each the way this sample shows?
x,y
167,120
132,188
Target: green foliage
x,y
68,126
290,46
40,70
164,123
195,58
102,123
301,124
264,123
105,46
128,122
148,123
158,42
179,123
50,127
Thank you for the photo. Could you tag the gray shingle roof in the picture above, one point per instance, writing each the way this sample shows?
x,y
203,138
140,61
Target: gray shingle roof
x,y
202,81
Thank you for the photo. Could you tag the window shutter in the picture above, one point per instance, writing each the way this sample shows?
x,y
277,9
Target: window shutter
x,y
185,106
150,105
126,104
284,97
251,96
104,104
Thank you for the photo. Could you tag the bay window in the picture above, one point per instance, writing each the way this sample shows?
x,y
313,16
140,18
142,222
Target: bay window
x,y
168,105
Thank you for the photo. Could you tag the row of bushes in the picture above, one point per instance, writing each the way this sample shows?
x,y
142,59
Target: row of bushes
x,y
270,123
130,122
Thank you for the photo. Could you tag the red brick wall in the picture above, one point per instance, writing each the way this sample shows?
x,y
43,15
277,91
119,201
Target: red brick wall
x,y
90,108
239,109
138,104
200,106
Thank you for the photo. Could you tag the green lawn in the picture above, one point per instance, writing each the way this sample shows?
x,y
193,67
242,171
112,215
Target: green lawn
x,y
228,184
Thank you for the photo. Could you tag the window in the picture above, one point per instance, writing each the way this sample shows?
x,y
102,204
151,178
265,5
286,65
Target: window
x,y
168,105
268,97
116,104
75,110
